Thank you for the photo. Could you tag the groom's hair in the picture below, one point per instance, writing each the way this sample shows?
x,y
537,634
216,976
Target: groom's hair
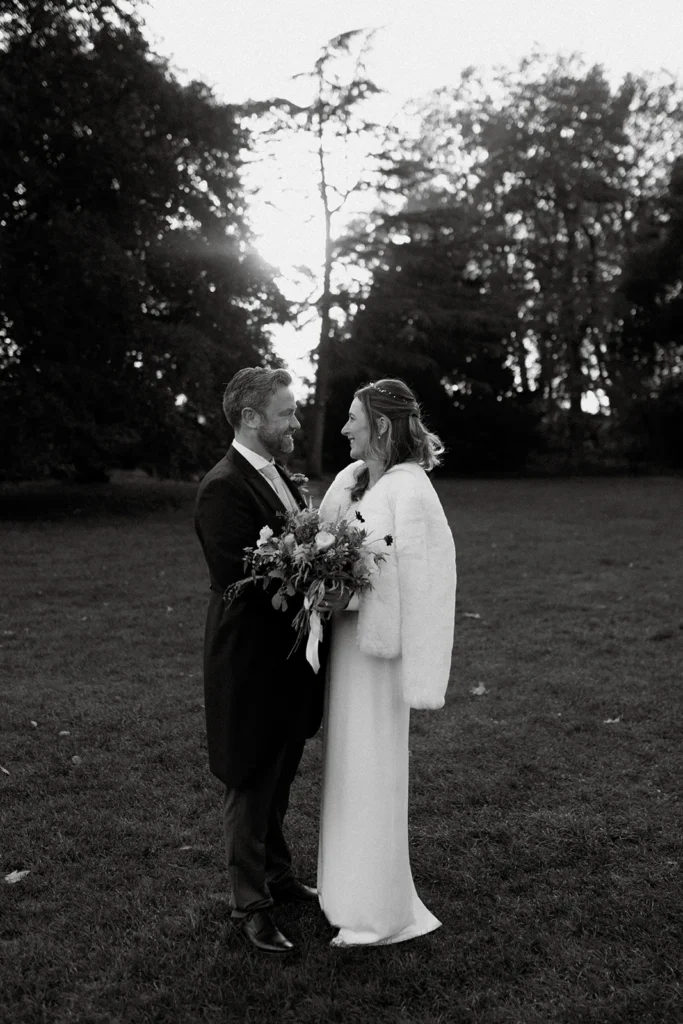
x,y
251,388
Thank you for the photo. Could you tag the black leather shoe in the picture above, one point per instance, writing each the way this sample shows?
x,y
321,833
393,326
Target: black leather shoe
x,y
261,931
293,891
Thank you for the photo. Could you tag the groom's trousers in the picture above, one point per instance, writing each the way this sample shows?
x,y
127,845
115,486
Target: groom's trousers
x,y
257,853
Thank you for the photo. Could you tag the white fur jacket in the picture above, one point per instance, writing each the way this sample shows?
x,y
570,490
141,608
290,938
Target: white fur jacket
x,y
410,611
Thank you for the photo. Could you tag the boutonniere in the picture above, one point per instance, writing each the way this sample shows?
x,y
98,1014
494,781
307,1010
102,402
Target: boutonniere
x,y
300,479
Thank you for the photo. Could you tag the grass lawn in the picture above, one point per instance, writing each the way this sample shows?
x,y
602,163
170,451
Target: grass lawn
x,y
546,806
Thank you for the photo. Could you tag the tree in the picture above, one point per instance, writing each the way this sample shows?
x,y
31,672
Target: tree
x,y
330,121
429,318
128,281
650,335
650,297
560,171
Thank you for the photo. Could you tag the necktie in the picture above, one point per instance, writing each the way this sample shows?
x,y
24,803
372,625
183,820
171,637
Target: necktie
x,y
280,487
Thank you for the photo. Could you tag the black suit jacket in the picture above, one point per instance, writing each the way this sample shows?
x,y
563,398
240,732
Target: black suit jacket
x,y
257,694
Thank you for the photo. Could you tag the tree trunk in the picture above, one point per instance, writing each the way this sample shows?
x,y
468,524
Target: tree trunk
x,y
324,349
322,392
521,354
575,388
572,332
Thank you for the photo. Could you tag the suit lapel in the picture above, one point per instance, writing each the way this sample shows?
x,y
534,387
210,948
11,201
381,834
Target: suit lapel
x,y
255,480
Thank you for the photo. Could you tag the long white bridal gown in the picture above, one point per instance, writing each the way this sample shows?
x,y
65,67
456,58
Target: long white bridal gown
x,y
365,883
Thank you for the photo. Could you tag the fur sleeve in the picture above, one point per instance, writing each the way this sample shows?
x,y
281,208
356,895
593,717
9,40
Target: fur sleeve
x,y
338,495
427,581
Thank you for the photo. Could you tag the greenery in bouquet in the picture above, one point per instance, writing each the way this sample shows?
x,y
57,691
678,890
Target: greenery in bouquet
x,y
310,558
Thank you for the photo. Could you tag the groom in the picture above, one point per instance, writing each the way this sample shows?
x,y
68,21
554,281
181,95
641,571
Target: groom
x,y
261,703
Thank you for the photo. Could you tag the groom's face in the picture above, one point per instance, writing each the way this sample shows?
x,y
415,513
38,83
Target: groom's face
x,y
278,422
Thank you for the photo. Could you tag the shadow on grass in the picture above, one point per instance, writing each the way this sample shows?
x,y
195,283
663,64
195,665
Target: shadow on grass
x,y
545,796
126,495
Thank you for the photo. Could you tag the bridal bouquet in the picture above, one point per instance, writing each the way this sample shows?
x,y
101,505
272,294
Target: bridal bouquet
x,y
311,557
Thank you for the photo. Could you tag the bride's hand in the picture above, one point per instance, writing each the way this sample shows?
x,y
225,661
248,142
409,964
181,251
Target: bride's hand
x,y
335,599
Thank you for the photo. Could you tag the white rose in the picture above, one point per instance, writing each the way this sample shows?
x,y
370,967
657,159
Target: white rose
x,y
370,563
324,540
264,536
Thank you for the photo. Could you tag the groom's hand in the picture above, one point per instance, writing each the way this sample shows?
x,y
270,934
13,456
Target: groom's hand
x,y
335,599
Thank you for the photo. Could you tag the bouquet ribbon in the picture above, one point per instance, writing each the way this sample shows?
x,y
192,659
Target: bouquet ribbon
x,y
315,632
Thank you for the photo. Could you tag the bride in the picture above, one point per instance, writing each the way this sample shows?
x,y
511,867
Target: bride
x,y
391,650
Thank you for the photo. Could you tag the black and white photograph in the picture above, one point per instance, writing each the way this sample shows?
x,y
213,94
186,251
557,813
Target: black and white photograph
x,y
341,512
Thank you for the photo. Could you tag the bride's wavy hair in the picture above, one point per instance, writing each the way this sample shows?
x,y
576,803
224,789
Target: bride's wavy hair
x,y
406,439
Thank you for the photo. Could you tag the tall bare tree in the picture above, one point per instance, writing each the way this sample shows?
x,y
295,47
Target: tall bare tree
x,y
332,121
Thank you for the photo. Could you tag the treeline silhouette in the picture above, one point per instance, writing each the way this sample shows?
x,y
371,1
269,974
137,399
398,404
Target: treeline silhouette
x,y
525,249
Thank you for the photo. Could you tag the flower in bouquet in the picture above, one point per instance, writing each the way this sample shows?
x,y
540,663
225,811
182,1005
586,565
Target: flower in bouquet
x,y
324,540
300,479
308,558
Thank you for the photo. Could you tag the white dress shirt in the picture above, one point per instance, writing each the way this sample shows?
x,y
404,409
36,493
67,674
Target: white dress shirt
x,y
277,484
256,460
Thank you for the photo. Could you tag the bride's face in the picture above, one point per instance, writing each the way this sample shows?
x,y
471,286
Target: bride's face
x,y
357,430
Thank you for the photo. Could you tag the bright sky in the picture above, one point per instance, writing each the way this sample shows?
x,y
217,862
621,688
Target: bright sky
x,y
252,48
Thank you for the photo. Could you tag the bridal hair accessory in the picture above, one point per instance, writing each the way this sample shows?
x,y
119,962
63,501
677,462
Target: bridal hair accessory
x,y
408,399
391,395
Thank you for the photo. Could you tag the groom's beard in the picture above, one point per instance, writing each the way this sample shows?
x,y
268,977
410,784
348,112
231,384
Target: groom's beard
x,y
277,442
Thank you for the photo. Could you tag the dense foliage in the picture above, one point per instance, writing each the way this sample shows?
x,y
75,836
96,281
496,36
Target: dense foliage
x,y
537,255
525,250
127,276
